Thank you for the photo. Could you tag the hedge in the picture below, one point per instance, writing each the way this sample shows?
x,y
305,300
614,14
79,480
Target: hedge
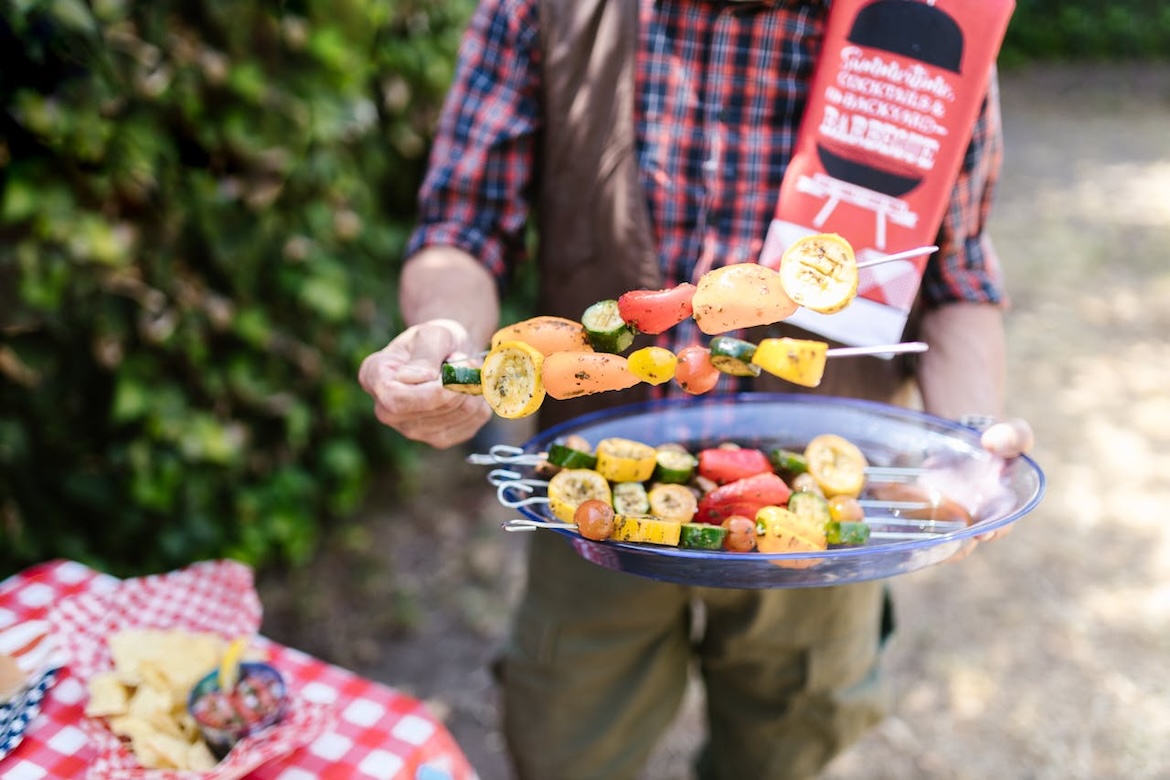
x,y
203,208
1080,30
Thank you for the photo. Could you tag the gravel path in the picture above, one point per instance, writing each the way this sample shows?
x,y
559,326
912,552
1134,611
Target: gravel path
x,y
1041,656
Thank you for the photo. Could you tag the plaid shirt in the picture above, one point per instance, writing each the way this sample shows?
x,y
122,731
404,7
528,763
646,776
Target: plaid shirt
x,y
721,90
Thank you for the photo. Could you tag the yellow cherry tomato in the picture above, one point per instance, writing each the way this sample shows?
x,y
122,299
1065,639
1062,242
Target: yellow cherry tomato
x,y
653,365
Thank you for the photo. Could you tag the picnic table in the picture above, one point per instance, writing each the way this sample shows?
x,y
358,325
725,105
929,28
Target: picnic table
x,y
374,732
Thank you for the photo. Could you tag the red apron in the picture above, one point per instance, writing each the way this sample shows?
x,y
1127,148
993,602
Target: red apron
x,y
889,118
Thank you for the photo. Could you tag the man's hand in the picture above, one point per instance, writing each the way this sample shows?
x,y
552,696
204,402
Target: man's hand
x,y
977,485
1009,438
403,379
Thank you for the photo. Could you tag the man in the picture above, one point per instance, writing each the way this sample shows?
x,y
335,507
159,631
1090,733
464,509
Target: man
x,y
648,140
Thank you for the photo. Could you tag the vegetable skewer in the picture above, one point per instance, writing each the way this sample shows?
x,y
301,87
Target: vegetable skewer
x,y
562,358
725,497
935,526
516,377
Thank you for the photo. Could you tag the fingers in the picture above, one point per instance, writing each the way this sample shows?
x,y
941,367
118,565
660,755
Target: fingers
x,y
404,381
440,428
1009,439
963,552
968,548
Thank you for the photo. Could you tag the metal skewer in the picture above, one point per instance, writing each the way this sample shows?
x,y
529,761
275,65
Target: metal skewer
x,y
906,255
874,349
895,473
879,349
506,481
520,524
510,455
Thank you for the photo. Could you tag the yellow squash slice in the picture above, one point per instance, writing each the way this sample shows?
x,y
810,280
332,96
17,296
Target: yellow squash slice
x,y
819,272
646,530
511,379
569,488
837,464
625,460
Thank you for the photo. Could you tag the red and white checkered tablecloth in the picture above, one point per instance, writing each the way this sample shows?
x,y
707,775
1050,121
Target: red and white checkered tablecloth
x,y
377,733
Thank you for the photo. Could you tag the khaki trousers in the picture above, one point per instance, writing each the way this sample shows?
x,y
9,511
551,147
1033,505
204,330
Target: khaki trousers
x,y
598,663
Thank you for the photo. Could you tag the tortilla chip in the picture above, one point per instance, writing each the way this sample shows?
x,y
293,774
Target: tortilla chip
x,y
107,696
168,752
130,726
154,706
153,674
187,725
144,697
181,657
200,757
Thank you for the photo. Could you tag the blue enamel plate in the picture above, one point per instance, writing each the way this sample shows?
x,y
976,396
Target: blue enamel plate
x,y
940,457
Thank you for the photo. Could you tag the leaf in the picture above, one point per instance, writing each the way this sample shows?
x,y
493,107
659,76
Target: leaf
x,y
328,296
131,398
73,14
204,438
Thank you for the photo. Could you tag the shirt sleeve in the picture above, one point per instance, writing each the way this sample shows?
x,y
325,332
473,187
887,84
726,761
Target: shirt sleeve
x,y
966,268
477,191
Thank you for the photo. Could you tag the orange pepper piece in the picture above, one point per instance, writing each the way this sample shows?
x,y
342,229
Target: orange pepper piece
x,y
573,374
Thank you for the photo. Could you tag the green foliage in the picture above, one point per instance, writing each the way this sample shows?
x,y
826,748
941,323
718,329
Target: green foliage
x,y
1087,30
202,209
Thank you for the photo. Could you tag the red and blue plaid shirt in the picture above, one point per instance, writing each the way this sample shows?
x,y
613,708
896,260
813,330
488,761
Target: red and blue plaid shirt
x,y
721,90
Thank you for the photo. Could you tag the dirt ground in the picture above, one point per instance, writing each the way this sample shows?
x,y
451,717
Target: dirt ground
x,y
1043,656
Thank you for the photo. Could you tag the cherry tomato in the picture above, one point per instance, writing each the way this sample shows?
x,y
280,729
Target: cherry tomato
x,y
594,519
806,482
656,311
846,509
723,465
694,372
741,534
653,365
743,497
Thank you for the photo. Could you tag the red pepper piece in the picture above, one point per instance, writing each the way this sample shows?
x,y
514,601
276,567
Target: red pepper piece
x,y
656,311
743,497
722,465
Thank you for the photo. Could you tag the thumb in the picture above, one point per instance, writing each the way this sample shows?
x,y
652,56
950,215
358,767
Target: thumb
x,y
431,344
